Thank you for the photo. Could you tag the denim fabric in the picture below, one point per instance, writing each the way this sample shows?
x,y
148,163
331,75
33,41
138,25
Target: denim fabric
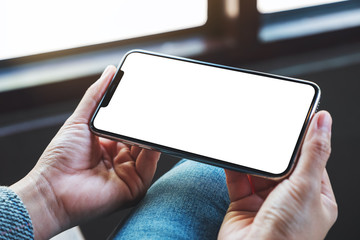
x,y
188,202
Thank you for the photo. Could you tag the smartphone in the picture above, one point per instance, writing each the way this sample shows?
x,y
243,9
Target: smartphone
x,y
228,117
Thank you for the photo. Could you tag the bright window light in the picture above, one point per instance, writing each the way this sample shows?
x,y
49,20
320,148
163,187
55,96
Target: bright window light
x,y
267,6
39,26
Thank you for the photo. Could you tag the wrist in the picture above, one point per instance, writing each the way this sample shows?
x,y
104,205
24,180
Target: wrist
x,y
39,199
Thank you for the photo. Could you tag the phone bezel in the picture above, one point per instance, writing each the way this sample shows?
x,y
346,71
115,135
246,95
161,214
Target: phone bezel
x,y
193,156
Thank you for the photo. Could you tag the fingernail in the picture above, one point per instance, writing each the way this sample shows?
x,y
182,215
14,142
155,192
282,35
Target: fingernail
x,y
324,122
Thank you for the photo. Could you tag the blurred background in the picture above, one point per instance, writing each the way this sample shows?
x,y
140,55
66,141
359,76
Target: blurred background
x,y
51,52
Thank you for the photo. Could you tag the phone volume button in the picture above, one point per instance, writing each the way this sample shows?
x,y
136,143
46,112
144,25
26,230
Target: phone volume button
x,y
317,107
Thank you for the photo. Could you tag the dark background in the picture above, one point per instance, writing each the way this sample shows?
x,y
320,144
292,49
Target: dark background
x,y
30,117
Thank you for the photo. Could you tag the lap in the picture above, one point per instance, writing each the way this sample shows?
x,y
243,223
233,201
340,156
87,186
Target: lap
x,y
188,202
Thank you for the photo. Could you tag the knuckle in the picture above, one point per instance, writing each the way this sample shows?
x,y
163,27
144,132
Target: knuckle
x,y
321,147
91,89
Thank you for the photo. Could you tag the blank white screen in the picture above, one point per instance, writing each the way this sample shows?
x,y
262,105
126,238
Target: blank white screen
x,y
236,117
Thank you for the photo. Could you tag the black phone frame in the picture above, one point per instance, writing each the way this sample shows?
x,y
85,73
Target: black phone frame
x,y
193,156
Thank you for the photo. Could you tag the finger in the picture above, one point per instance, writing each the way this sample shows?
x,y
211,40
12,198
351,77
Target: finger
x,y
124,166
328,198
92,97
146,163
247,204
264,193
135,150
326,188
238,185
316,148
123,156
260,184
111,146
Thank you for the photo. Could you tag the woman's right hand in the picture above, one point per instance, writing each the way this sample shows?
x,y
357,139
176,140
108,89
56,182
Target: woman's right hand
x,y
302,206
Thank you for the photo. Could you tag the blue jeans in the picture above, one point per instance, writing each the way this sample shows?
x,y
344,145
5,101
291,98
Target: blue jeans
x,y
188,202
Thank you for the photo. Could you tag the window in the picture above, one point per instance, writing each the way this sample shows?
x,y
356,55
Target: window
x,y
266,6
45,42
41,26
282,20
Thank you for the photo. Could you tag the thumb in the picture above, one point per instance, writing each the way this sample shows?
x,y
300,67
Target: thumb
x,y
316,148
92,97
